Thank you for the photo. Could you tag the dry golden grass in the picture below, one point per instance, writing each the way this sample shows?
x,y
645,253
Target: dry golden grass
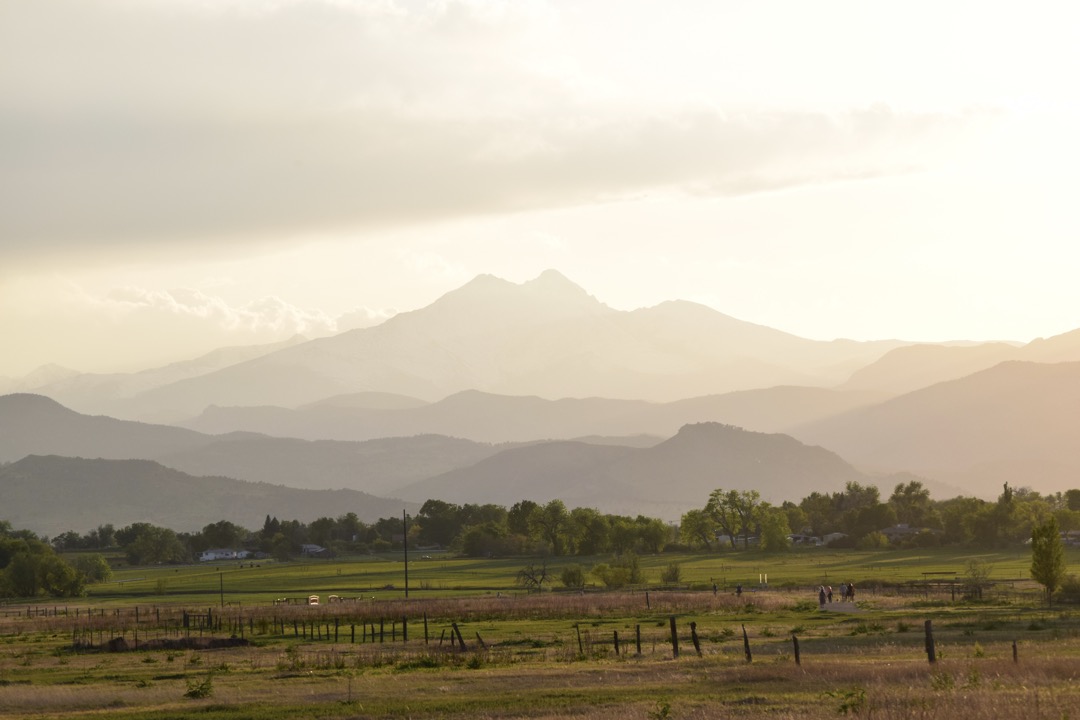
x,y
869,663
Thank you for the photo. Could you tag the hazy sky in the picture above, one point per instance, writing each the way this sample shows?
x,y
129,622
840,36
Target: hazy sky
x,y
179,175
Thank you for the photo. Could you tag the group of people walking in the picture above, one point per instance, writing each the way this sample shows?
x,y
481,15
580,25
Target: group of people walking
x,y
825,593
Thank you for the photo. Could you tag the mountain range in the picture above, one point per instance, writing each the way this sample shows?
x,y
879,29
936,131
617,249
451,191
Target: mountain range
x,y
546,337
653,477
499,392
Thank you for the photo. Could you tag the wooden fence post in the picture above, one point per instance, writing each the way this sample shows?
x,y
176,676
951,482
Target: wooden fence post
x,y
1016,656
746,645
795,643
694,638
637,633
674,637
461,641
616,634
931,655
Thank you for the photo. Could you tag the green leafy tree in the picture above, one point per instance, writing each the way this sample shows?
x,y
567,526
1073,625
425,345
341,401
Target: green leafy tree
x,y
672,574
697,529
549,522
572,576
20,577
652,533
1048,556
517,518
775,531
749,509
489,539
820,513
145,544
93,566
588,532
624,570
440,522
722,508
911,503
30,568
872,518
222,534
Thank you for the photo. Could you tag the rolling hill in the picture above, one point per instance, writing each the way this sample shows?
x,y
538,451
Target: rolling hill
x,y
37,492
36,425
1016,422
664,481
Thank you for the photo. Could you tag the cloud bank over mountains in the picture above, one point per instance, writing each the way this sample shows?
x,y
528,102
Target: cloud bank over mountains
x,y
267,119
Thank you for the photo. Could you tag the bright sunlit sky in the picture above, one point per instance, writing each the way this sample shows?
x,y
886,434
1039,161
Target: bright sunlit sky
x,y
181,175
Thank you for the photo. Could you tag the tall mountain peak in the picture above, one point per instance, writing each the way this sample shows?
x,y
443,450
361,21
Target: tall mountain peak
x,y
552,279
549,294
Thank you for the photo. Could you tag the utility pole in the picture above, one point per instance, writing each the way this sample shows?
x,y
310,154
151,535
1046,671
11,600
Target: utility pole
x,y
405,526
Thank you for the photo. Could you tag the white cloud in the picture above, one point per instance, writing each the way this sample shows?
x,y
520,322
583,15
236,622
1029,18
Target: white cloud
x,y
265,316
363,318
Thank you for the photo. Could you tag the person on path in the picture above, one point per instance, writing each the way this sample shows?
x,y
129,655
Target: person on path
x,y
828,593
843,592
821,596
851,592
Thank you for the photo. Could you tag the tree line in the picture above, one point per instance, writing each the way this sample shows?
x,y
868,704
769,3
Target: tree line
x,y
856,516
731,520
526,528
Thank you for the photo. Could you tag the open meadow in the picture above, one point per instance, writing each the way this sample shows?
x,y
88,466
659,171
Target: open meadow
x,y
216,641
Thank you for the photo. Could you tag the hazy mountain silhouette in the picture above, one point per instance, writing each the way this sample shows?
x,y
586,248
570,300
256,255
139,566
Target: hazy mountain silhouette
x,y
485,417
112,394
1015,422
546,337
37,493
36,425
661,481
909,368
381,467
43,376
1058,348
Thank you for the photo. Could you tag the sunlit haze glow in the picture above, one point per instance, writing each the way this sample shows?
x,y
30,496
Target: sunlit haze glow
x,y
181,176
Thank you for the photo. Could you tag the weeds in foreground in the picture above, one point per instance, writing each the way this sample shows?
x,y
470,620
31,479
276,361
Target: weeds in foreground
x,y
852,701
662,711
199,689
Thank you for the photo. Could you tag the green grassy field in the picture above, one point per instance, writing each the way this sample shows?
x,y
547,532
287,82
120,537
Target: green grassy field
x,y
551,654
383,576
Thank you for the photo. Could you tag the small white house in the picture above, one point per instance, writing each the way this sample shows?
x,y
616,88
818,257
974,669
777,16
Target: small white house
x,y
218,554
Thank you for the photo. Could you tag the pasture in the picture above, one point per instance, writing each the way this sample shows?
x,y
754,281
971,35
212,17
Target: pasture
x,y
592,654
